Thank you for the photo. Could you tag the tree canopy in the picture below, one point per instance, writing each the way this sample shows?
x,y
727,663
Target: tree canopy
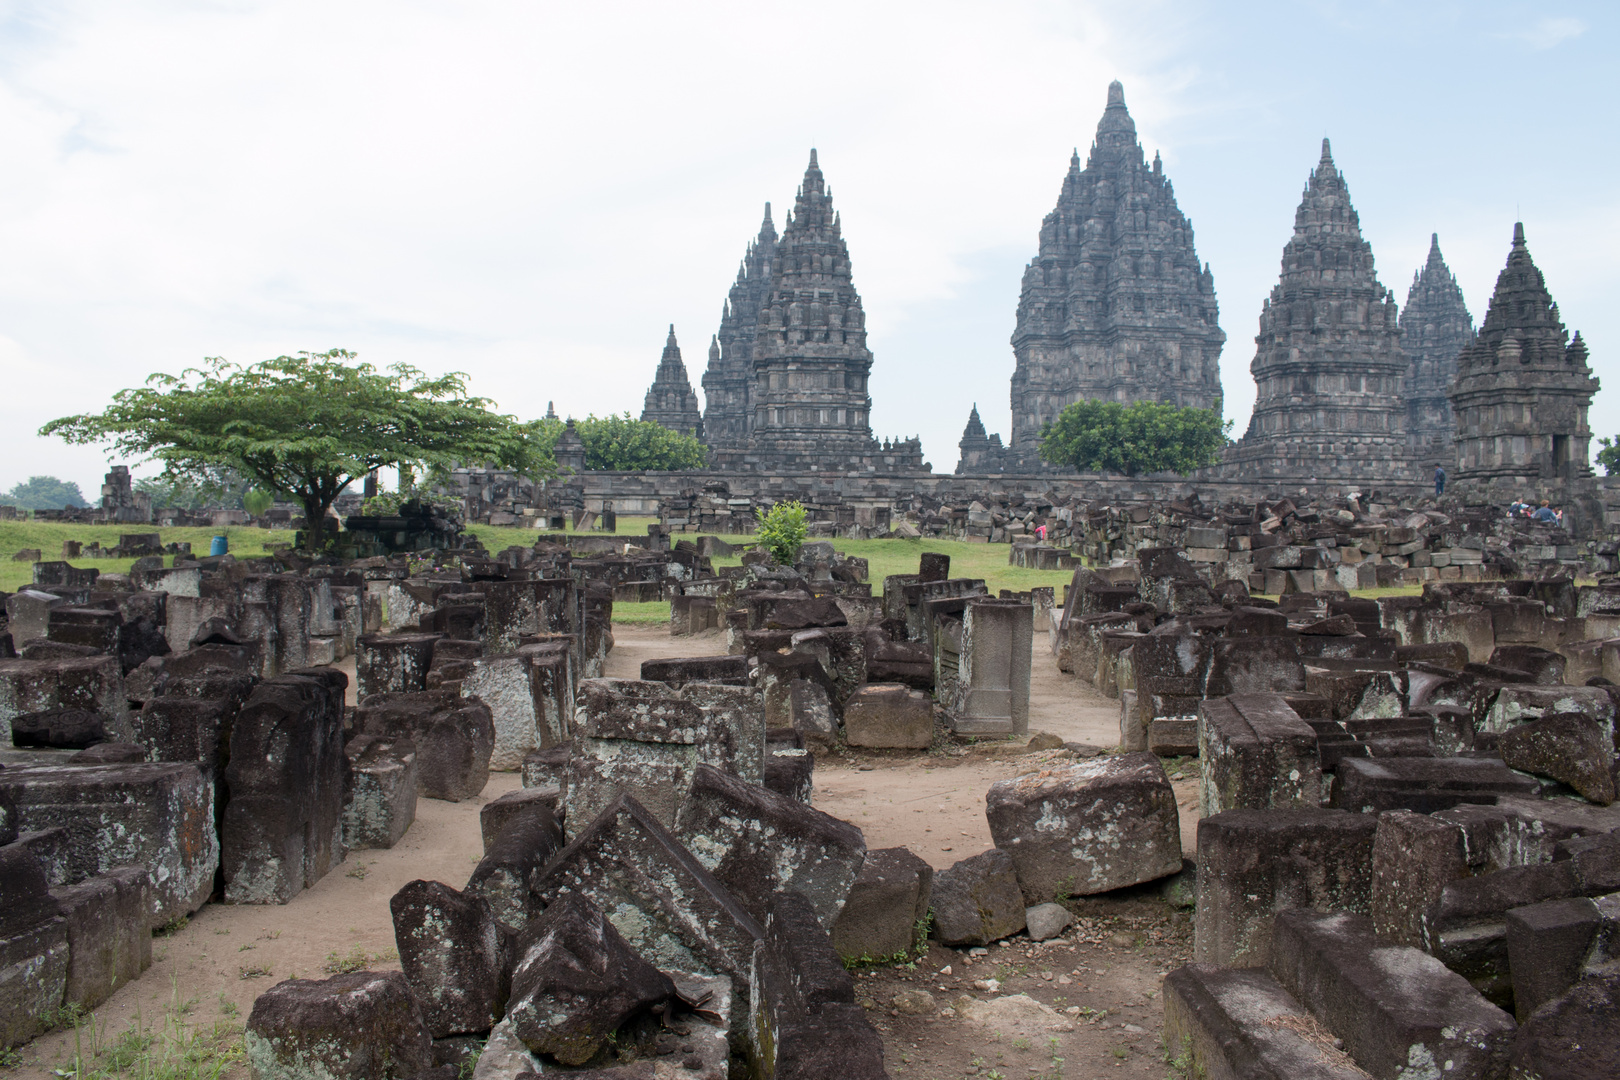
x,y
1609,456
622,444
1142,437
306,426
45,493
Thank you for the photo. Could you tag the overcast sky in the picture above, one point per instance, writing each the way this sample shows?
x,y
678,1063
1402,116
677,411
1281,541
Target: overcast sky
x,y
532,192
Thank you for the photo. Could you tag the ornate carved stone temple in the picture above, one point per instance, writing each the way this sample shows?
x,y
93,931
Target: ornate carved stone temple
x,y
1115,305
670,400
727,414
807,404
1328,366
980,453
1435,328
1522,387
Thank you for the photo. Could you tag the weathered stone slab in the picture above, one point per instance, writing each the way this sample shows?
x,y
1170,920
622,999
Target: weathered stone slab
x,y
978,900
1519,704
1254,863
393,663
1424,785
756,842
160,816
1254,751
1573,1037
454,738
1240,1024
670,909
1564,746
109,933
92,683
1089,827
992,682
283,826
381,802
1414,858
453,957
575,980
886,906
522,847
889,716
503,684
33,947
364,1026
1548,945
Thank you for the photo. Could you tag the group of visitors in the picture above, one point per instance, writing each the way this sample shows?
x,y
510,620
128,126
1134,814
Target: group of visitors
x,y
1544,513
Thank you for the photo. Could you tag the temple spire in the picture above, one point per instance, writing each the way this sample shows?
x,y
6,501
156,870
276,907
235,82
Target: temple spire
x,y
670,400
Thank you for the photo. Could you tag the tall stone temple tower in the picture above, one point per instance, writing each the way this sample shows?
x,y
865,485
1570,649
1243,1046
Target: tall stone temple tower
x,y
1115,305
810,360
1522,387
670,400
727,415
1435,327
1328,366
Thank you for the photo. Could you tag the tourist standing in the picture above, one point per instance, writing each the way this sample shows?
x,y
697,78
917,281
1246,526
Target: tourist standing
x,y
1439,481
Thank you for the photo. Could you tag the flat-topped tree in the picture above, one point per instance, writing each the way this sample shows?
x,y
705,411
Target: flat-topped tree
x,y
306,426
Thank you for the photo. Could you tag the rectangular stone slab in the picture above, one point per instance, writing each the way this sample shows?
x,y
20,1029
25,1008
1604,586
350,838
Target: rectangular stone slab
x,y
1240,1024
160,816
1255,751
1424,785
1398,1010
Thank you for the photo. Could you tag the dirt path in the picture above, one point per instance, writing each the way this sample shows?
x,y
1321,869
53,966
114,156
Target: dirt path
x,y
210,971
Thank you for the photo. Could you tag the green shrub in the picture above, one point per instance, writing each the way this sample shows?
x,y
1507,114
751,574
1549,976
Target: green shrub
x,y
782,531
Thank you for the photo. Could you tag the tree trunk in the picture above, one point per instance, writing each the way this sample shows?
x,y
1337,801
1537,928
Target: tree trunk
x,y
314,522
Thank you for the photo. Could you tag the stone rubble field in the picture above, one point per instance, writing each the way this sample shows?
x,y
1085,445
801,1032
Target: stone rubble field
x,y
397,817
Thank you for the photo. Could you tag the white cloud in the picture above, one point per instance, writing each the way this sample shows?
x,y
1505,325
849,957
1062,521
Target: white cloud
x,y
1549,32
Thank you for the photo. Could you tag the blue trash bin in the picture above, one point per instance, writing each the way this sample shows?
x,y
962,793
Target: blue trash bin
x,y
220,546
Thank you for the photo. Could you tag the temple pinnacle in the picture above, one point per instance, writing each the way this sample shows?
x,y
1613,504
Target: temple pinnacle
x,y
1116,93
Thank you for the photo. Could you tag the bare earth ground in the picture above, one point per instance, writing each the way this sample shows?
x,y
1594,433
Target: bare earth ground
x,y
1108,969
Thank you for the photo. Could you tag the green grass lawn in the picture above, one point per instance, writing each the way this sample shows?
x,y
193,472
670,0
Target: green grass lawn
x,y
47,536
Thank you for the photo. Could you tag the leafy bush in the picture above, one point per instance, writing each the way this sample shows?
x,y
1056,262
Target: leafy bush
x,y
45,493
1143,437
256,502
782,531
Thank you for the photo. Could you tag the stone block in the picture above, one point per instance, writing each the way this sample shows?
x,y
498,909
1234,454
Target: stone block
x,y
1255,863
502,683
677,672
1240,1024
841,652
283,826
33,947
1254,752
393,663
992,685
109,933
1545,667
1086,828
1467,927
756,842
790,770
670,910
363,1026
92,683
1173,737
1567,747
525,843
886,906
978,900
454,738
551,686
1252,664
889,715
1521,703
522,803
1399,1011
381,803
575,980
452,955
1359,691
1573,1037
159,816
1548,945
1424,785
1414,858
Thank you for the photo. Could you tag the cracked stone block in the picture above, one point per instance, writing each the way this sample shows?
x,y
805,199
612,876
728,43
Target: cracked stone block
x,y
890,716
33,947
382,792
1086,828
1567,747
887,904
454,738
109,932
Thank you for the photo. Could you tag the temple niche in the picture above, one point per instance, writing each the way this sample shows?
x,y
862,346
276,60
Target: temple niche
x,y
1523,387
1115,305
1328,367
1435,328
670,400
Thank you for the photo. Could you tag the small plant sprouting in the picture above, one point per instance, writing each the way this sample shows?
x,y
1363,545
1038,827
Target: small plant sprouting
x,y
172,927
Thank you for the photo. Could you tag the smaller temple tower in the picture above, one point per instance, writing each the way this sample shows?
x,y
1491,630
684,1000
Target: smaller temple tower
x,y
670,400
980,453
1523,387
1435,329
